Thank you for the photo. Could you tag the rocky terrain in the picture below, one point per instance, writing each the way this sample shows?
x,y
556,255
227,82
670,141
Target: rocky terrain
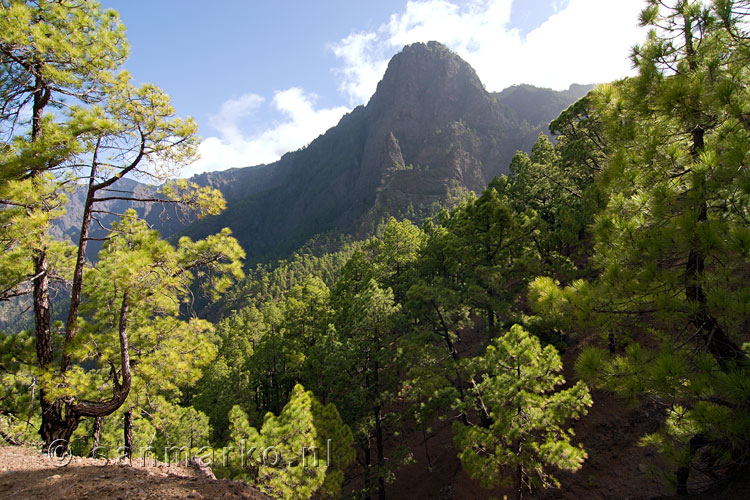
x,y
27,474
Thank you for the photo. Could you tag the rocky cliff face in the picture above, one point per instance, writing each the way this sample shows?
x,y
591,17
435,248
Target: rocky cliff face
x,y
431,106
429,133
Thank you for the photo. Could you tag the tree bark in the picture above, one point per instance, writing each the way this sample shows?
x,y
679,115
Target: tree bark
x,y
368,468
127,430
97,435
519,482
683,472
71,325
52,420
380,452
42,96
490,322
51,411
426,450
56,430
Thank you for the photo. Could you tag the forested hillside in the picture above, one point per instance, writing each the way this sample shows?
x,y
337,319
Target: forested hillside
x,y
430,134
350,180
600,277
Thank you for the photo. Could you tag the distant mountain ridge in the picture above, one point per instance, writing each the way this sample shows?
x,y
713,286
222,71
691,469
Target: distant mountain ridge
x,y
429,133
535,105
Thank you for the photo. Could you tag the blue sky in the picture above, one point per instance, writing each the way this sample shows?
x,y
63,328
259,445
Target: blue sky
x,y
264,78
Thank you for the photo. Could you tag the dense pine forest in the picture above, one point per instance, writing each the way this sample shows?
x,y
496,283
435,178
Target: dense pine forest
x,y
622,236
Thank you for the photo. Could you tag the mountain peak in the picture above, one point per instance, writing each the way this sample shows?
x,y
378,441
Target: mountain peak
x,y
430,132
425,73
431,49
432,52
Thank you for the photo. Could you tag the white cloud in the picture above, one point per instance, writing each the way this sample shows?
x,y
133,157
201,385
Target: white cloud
x,y
584,41
301,124
365,61
234,110
558,5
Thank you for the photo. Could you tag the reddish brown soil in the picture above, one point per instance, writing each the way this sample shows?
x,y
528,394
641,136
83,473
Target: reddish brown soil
x,y
28,474
617,466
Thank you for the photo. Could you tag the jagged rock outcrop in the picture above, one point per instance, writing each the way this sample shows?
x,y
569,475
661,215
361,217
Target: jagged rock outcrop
x,y
430,132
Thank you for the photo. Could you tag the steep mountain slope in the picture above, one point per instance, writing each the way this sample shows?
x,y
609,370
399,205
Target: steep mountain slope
x,y
167,219
429,132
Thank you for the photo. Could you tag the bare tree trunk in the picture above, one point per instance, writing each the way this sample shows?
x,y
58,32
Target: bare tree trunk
x,y
491,321
683,472
42,311
380,452
51,411
426,450
57,430
368,469
10,439
75,292
127,429
97,435
681,477
519,482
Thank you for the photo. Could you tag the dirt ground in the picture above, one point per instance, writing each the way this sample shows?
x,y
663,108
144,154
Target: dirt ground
x,y
26,473
617,468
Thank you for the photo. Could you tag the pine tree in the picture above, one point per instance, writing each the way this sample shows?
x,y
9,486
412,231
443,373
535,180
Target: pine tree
x,y
301,453
108,128
132,341
556,181
49,51
672,241
493,253
394,252
528,435
368,361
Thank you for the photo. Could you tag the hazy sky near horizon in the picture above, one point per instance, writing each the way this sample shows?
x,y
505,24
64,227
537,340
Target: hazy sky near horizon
x,y
265,78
